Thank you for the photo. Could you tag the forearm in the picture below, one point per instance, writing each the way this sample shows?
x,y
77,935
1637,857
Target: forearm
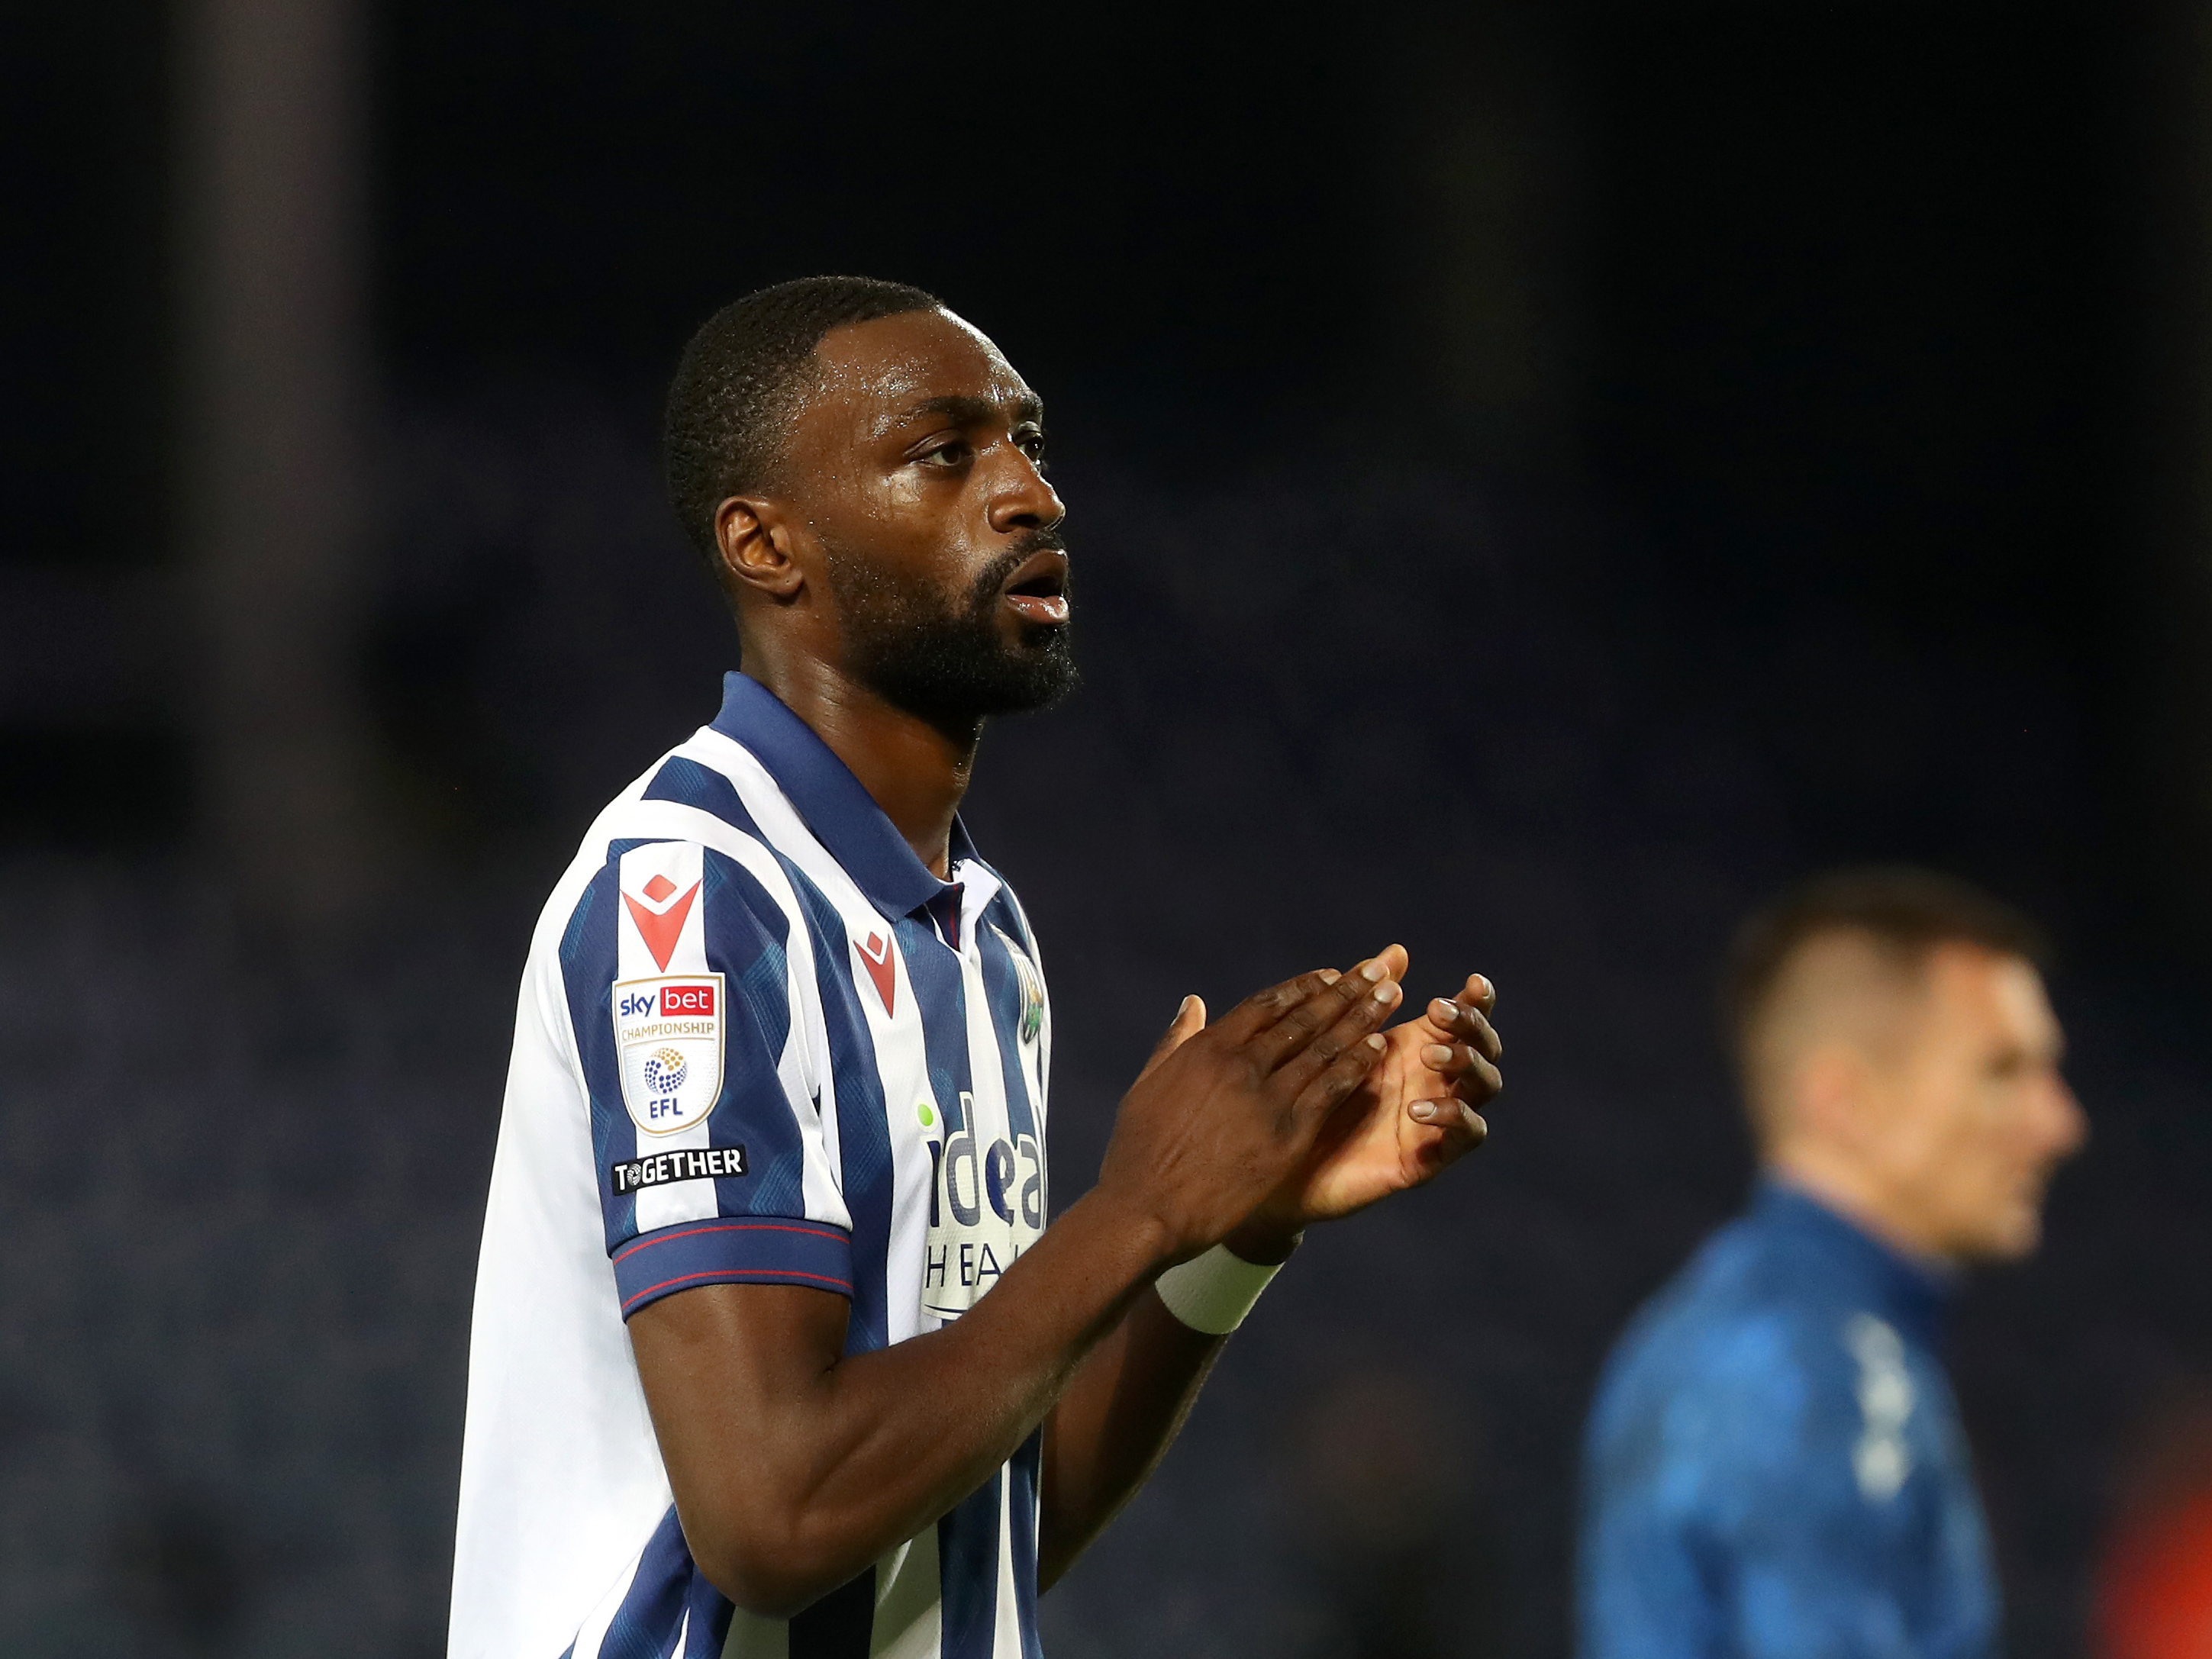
x,y
784,1504
1122,1410
794,1465
1119,1414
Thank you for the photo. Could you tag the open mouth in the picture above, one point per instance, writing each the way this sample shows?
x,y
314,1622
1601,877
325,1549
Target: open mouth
x,y
1037,591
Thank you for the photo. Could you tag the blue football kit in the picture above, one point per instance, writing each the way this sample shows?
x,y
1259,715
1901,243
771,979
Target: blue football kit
x,y
1774,1467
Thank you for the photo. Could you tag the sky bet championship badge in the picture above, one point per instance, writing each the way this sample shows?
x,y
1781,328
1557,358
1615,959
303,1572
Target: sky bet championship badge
x,y
668,1032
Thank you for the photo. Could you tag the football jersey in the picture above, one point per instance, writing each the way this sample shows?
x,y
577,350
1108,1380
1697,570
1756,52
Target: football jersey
x,y
1775,1467
758,1042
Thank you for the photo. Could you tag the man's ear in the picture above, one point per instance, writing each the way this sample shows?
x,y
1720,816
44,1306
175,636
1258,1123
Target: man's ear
x,y
1830,1088
752,544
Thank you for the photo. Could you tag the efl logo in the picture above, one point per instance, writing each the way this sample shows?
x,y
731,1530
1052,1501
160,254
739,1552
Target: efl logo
x,y
668,1044
687,1001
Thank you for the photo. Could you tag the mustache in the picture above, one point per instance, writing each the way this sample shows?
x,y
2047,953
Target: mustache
x,y
1026,546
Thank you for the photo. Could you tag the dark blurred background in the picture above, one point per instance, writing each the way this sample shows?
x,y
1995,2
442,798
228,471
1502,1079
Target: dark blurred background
x,y
1543,475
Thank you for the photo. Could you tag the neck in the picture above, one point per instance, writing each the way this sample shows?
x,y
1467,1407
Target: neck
x,y
915,770
1837,1181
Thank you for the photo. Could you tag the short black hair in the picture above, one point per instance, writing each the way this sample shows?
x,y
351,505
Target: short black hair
x,y
738,380
1904,911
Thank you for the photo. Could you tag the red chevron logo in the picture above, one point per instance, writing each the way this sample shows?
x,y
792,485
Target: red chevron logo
x,y
661,931
876,956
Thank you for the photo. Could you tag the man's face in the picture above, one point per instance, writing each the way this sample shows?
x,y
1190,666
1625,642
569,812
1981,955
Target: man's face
x,y
1973,1117
926,527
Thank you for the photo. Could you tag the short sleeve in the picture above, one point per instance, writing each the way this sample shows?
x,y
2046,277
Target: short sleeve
x,y
691,1036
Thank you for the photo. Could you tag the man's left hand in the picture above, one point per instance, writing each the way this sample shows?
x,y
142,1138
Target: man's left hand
x,y
1416,1113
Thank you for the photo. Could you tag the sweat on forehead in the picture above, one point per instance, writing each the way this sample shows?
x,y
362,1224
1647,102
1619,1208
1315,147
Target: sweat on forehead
x,y
918,365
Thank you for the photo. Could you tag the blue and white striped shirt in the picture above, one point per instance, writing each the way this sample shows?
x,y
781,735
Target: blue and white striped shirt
x,y
758,1042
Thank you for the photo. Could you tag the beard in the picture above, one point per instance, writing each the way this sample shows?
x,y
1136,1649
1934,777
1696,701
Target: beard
x,y
943,659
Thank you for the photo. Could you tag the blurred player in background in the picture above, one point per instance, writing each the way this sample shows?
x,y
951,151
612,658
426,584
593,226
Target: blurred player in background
x,y
1774,1465
773,1351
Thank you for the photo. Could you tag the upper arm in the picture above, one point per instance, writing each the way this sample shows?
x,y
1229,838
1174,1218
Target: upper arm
x,y
686,983
724,1368
709,1151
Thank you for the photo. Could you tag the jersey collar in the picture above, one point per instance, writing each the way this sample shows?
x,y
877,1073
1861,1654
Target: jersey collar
x,y
1913,1290
842,815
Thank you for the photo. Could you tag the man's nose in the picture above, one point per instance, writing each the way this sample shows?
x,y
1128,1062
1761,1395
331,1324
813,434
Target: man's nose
x,y
1022,499
2069,1124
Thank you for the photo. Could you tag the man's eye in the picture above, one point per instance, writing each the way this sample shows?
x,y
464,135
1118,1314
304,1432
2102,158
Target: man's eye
x,y
949,453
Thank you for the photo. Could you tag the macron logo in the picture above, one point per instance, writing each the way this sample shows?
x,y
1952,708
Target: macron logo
x,y
875,956
660,920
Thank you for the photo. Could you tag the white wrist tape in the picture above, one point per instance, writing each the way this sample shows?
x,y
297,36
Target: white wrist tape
x,y
1214,1292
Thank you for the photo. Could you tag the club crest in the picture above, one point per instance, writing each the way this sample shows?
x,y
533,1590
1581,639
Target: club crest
x,y
1032,984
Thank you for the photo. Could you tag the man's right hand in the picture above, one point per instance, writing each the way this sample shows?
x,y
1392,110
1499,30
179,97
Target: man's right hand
x,y
1223,1114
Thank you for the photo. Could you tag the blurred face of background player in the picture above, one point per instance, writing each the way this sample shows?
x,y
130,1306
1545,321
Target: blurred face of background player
x,y
921,547
1923,1098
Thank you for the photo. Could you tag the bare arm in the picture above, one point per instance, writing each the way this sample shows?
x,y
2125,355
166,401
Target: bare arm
x,y
1115,1422
1410,1118
795,1466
